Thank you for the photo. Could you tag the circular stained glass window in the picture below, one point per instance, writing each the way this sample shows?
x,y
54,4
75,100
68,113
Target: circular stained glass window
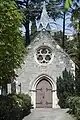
x,y
44,54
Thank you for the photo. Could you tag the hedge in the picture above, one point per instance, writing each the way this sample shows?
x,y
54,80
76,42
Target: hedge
x,y
74,106
65,87
14,106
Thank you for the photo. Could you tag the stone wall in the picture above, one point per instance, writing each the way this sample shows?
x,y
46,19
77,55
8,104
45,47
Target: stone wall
x,y
32,69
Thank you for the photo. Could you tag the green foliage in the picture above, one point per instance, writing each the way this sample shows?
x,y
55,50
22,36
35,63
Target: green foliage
x,y
58,36
14,107
31,10
75,17
68,4
73,49
77,82
26,106
74,106
65,88
11,42
54,9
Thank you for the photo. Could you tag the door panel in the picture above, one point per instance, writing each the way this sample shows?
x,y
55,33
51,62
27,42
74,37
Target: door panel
x,y
43,94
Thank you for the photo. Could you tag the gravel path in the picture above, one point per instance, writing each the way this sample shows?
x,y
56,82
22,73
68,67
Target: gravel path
x,y
49,114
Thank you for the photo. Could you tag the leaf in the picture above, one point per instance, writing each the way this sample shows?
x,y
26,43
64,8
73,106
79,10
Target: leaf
x,y
11,43
68,4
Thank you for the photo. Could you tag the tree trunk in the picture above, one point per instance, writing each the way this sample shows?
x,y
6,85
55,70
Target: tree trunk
x,y
78,64
33,27
79,45
27,36
63,40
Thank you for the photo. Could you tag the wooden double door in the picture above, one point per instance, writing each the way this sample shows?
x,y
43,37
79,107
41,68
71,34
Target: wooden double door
x,y
44,94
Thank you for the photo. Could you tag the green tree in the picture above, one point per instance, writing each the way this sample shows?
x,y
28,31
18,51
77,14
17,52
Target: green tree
x,y
65,87
58,9
11,43
31,10
73,46
75,19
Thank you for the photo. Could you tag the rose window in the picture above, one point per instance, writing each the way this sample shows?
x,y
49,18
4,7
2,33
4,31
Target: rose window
x,y
44,55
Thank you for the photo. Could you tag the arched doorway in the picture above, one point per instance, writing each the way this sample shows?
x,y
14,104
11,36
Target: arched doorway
x,y
43,94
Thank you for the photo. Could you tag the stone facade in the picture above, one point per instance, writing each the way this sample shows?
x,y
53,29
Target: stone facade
x,y
32,71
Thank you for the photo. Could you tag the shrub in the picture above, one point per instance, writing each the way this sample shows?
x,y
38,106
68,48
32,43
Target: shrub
x,y
14,106
65,88
26,106
74,106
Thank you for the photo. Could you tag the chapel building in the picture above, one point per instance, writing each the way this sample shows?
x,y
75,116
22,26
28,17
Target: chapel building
x,y
44,62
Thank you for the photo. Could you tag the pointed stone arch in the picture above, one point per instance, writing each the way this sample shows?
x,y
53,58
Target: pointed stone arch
x,y
53,85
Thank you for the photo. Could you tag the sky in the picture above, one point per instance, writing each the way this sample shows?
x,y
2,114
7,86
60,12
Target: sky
x,y
57,27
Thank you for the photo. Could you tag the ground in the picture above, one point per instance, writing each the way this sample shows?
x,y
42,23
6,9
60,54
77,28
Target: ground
x,y
49,114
